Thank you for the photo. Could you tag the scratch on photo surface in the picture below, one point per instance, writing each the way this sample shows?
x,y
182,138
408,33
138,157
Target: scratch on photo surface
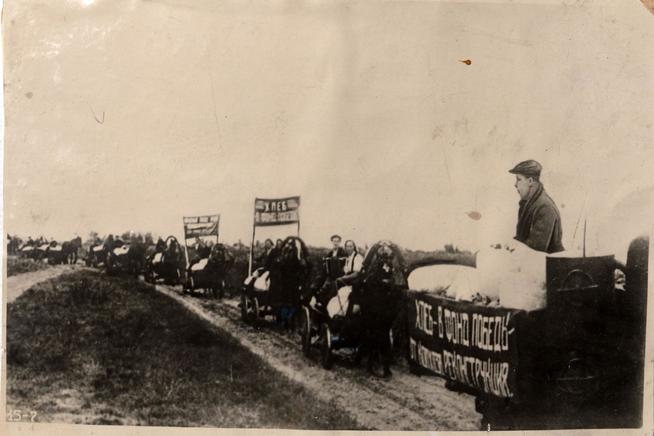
x,y
213,103
99,121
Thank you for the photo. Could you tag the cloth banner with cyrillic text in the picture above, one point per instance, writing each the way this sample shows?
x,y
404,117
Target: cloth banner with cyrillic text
x,y
201,226
273,212
467,343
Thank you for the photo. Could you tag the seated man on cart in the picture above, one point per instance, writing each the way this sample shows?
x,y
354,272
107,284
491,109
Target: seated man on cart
x,y
333,269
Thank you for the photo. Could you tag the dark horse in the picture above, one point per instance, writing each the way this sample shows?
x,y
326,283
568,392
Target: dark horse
x,y
290,279
382,289
13,244
70,248
287,275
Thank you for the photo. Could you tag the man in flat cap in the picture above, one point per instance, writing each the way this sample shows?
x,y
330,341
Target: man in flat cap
x,y
539,221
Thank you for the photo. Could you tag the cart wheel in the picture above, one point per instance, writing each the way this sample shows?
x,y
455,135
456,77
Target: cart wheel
x,y
109,265
244,308
221,290
255,308
247,309
305,330
577,381
326,356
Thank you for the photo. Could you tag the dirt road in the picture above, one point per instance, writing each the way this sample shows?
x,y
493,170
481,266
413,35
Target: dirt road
x,y
19,283
405,402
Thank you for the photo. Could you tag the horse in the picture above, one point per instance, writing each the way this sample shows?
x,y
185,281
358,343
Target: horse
x,y
166,262
290,278
382,287
13,245
70,249
277,289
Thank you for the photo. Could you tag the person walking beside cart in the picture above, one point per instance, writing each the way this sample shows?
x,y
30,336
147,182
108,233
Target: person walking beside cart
x,y
539,221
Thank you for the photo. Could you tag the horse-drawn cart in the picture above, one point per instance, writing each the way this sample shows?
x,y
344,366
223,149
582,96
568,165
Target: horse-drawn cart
x,y
167,264
340,325
125,258
27,251
577,362
278,290
57,254
96,256
210,273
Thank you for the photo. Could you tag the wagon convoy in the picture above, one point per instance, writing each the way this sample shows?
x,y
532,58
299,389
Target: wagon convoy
x,y
41,250
567,345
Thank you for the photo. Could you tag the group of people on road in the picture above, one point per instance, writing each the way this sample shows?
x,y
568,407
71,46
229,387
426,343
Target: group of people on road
x,y
538,227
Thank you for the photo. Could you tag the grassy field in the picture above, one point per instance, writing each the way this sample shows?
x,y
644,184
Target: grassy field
x,y
17,265
88,348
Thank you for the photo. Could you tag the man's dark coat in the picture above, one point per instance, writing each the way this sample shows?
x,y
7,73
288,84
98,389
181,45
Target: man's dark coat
x,y
539,223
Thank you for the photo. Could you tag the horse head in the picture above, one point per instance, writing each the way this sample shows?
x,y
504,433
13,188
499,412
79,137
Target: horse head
x,y
385,265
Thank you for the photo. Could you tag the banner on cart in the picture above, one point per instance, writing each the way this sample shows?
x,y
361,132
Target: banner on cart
x,y
464,342
277,211
199,226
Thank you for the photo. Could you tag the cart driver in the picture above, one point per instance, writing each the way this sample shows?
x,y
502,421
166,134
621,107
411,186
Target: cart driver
x,y
220,254
337,250
265,259
539,221
201,248
353,264
332,271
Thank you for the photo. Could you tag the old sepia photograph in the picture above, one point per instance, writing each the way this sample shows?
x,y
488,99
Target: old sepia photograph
x,y
359,215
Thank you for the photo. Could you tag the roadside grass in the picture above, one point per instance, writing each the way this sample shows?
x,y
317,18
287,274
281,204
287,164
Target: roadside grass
x,y
93,349
17,265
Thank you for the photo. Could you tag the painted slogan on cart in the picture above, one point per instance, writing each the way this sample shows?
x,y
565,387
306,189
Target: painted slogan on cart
x,y
272,212
464,342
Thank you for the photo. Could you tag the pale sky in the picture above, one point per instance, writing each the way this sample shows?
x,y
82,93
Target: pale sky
x,y
130,114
